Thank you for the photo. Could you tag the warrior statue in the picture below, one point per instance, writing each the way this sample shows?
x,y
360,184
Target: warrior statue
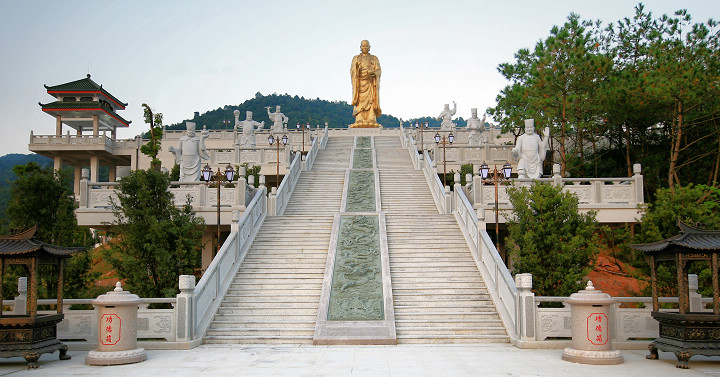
x,y
248,127
189,152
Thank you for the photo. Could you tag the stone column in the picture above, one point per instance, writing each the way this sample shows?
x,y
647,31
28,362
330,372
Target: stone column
x,y
638,178
58,125
525,305
185,309
20,307
57,163
96,126
94,168
696,305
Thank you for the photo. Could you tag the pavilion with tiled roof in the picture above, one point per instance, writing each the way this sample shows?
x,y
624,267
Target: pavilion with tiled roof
x,y
32,334
91,111
684,332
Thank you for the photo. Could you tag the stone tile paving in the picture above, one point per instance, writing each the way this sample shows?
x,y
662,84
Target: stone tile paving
x,y
407,360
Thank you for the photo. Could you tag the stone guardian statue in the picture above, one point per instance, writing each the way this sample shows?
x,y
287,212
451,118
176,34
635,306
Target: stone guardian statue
x,y
248,127
365,76
530,150
476,127
446,117
189,152
279,119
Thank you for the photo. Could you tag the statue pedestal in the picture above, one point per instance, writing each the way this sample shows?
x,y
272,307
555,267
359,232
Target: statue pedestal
x,y
365,125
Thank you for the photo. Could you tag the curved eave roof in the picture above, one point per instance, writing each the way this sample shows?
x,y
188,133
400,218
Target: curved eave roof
x,y
13,246
84,86
59,107
689,238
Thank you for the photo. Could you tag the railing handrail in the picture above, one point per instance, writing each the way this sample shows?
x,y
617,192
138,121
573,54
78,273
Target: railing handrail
x,y
287,185
225,265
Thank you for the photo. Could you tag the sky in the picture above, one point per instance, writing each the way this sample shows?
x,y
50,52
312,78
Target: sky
x,y
185,56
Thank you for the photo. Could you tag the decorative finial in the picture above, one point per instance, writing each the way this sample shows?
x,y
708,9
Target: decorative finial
x,y
590,286
88,75
118,287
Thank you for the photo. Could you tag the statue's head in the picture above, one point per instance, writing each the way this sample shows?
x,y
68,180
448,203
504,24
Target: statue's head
x,y
190,127
473,112
447,106
365,46
529,126
248,115
277,108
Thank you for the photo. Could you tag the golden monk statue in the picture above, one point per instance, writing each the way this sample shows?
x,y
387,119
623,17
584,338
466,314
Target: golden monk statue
x,y
365,75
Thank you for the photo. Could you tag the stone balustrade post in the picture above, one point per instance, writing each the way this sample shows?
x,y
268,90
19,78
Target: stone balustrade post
x,y
447,200
185,309
696,304
556,177
20,307
525,316
240,187
272,202
262,182
84,194
638,182
235,221
251,180
468,178
477,193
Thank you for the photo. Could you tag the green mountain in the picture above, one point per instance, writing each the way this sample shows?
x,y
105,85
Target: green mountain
x,y
7,177
337,114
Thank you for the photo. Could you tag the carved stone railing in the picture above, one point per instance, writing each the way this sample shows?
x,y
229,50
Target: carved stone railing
x,y
440,193
627,323
79,326
614,198
196,305
278,199
497,278
79,140
102,194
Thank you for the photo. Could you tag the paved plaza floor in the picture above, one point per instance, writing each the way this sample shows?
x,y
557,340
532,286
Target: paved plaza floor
x,y
337,361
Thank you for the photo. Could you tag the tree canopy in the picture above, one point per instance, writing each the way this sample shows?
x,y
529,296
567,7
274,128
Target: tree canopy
x,y
155,242
642,89
550,239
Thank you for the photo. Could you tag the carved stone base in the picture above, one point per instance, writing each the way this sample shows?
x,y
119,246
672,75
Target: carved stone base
x,y
686,335
592,357
96,357
365,125
30,337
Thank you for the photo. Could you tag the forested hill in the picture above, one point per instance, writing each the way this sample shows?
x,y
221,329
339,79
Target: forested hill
x,y
337,114
7,163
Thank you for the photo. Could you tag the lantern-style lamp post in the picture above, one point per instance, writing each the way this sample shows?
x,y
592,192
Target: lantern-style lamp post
x,y
273,140
495,179
219,177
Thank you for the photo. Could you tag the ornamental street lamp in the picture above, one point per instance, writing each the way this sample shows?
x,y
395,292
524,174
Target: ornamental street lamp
x,y
450,139
275,140
226,122
495,179
219,178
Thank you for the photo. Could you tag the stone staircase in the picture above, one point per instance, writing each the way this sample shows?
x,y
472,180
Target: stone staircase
x,y
274,296
438,292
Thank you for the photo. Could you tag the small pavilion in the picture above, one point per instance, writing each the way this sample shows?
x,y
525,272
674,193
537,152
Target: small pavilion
x,y
684,332
31,334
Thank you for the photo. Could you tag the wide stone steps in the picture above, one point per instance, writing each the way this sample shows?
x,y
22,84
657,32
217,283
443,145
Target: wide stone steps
x,y
438,293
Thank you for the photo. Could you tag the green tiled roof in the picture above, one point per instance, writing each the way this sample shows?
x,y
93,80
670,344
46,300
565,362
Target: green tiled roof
x,y
60,105
83,85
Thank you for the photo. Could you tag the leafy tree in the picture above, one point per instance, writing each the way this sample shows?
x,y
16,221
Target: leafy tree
x,y
155,240
152,147
550,239
693,204
44,197
697,205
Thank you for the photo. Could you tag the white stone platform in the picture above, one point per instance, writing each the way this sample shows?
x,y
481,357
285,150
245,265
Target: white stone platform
x,y
338,361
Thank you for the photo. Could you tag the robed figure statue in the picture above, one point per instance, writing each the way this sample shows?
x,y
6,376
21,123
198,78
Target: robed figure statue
x,y
365,76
